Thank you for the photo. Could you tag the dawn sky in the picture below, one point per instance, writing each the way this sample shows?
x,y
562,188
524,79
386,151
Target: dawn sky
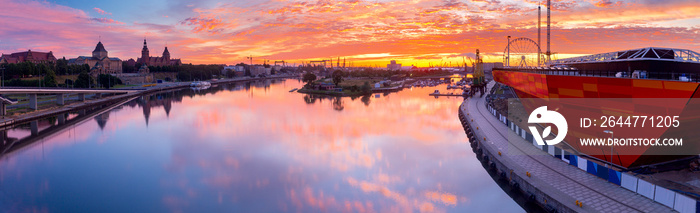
x,y
414,32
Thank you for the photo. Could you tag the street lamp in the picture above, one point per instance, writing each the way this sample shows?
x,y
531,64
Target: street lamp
x,y
611,146
2,80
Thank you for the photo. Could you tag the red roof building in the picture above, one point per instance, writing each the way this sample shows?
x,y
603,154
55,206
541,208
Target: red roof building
x,y
34,57
156,61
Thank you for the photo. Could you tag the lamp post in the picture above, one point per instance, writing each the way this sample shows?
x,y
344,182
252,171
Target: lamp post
x,y
611,146
2,80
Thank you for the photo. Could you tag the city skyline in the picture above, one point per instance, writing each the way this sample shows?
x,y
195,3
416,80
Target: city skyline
x,y
367,33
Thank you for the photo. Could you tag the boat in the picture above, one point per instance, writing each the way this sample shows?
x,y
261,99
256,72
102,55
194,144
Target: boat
x,y
200,84
295,89
436,92
661,73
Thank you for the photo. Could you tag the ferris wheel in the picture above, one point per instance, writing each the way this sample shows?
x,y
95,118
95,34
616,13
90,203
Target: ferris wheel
x,y
522,52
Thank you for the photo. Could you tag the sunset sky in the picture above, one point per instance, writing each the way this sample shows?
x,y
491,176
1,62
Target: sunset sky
x,y
414,32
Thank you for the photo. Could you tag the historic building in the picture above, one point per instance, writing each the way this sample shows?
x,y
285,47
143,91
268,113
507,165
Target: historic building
x,y
100,62
156,61
34,57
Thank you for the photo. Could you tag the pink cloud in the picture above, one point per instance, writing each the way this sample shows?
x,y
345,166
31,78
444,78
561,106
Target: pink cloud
x,y
100,11
106,20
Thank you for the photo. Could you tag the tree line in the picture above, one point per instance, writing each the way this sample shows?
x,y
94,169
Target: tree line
x,y
29,69
185,72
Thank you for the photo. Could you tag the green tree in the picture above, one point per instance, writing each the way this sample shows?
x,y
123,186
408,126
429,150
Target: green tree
x,y
366,88
50,79
84,80
184,75
337,77
108,81
61,66
308,78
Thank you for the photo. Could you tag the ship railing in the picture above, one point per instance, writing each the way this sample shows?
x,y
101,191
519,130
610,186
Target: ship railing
x,y
674,76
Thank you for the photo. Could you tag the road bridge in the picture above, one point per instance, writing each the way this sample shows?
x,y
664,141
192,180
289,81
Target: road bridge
x,y
32,92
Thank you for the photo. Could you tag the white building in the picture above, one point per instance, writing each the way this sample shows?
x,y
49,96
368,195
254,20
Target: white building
x,y
258,69
393,66
490,66
236,69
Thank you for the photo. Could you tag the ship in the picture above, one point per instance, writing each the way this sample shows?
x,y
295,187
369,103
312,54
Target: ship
x,y
668,74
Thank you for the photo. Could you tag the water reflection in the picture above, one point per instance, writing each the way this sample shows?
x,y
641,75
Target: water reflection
x,y
254,147
337,102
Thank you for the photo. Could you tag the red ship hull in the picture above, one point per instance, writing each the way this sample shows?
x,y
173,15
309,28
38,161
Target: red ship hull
x,y
546,87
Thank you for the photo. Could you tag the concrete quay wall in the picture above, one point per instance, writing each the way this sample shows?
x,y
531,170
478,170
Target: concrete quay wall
x,y
515,177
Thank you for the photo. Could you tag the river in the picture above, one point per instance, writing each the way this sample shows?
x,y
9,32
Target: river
x,y
252,147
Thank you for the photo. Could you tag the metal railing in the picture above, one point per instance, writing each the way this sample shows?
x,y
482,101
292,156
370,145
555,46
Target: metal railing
x,y
673,76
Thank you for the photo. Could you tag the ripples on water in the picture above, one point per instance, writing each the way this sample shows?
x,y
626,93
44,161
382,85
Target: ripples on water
x,y
252,147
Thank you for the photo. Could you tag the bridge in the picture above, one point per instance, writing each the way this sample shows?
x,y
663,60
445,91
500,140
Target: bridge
x,y
60,94
9,145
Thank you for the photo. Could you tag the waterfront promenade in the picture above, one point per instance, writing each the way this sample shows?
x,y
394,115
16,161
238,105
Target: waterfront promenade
x,y
551,181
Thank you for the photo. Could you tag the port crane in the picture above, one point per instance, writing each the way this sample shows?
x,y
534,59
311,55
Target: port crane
x,y
478,82
283,63
251,59
319,62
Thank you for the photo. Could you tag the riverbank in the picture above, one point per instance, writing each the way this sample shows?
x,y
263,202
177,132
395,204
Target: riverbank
x,y
9,121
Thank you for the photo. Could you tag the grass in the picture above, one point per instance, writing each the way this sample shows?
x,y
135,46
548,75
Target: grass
x,y
59,79
163,75
124,86
358,82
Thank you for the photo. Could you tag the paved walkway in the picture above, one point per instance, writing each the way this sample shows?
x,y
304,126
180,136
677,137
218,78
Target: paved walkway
x,y
559,180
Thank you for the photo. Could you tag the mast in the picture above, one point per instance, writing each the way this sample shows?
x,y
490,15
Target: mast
x,y
549,53
539,28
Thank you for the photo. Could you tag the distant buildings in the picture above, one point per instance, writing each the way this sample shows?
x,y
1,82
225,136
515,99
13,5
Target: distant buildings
x,y
490,66
100,62
34,57
393,66
236,71
157,61
257,70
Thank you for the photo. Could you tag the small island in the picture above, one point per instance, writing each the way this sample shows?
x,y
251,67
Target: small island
x,y
358,83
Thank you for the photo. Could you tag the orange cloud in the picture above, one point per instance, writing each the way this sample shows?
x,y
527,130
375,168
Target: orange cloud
x,y
210,25
414,32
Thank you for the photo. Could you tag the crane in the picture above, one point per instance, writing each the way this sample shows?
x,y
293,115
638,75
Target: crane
x,y
471,62
479,83
251,59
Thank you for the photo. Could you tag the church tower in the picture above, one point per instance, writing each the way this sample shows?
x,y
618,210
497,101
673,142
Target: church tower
x,y
166,55
100,52
144,53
